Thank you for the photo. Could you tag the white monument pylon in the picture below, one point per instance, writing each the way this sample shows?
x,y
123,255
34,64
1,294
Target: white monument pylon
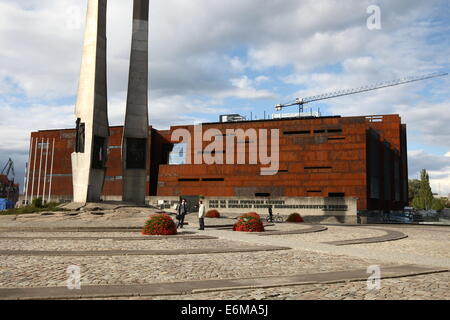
x,y
89,158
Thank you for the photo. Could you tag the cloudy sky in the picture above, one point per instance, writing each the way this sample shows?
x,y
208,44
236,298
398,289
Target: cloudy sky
x,y
209,57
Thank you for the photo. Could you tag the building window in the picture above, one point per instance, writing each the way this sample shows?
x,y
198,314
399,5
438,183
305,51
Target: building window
x,y
113,178
334,130
336,194
262,194
177,155
336,138
59,175
42,145
188,180
287,133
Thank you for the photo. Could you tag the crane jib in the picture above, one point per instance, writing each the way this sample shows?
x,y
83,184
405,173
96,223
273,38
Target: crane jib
x,y
376,86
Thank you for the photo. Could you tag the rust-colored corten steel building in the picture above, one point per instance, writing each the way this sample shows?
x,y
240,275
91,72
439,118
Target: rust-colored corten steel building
x,y
363,157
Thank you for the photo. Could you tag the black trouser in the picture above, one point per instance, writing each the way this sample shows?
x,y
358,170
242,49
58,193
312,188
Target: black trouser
x,y
201,222
181,221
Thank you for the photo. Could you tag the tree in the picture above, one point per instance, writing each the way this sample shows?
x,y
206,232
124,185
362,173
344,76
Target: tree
x,y
424,199
413,189
439,204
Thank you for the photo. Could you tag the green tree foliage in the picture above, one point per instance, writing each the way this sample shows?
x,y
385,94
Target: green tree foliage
x,y
424,198
439,204
413,189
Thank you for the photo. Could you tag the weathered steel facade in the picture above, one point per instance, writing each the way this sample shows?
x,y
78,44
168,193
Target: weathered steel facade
x,y
362,157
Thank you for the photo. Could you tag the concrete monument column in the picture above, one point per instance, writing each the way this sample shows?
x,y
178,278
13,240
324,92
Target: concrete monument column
x,y
135,147
89,158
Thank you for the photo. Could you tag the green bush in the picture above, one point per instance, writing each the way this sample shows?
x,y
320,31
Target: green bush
x,y
37,203
438,204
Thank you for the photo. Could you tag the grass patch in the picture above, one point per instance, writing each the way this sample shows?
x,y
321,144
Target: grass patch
x,y
36,207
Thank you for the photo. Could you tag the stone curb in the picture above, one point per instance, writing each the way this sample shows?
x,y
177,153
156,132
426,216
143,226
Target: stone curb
x,y
390,235
204,286
74,229
143,238
301,231
301,283
138,252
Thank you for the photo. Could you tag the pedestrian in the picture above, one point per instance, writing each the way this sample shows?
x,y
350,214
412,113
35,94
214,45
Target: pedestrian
x,y
270,214
182,210
201,215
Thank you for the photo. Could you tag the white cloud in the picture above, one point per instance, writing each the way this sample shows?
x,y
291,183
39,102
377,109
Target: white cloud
x,y
204,52
244,88
261,79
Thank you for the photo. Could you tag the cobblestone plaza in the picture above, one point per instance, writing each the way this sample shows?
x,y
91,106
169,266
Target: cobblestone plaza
x,y
290,261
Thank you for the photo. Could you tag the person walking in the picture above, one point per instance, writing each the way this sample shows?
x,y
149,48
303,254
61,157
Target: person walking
x,y
182,210
270,214
201,215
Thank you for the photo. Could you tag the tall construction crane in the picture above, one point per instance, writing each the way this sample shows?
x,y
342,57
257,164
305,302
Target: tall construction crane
x,y
302,101
9,167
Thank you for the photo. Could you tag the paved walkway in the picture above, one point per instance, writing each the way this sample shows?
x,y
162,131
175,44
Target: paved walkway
x,y
288,261
376,254
192,287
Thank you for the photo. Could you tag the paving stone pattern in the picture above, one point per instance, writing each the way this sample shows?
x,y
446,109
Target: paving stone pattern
x,y
428,243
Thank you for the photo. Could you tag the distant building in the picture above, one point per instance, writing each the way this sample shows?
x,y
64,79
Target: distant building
x,y
363,157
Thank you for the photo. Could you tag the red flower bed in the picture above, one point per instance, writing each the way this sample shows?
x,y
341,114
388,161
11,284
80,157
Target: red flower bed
x,y
160,225
294,217
213,214
249,222
254,214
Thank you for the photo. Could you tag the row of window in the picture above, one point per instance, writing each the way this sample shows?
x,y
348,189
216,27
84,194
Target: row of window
x,y
287,133
198,179
222,179
330,194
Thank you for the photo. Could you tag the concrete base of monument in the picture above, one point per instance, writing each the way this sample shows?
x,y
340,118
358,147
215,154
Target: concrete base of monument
x,y
102,205
331,219
312,209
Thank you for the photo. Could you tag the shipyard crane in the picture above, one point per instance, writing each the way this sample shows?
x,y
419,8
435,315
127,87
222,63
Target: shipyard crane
x,y
302,101
9,167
